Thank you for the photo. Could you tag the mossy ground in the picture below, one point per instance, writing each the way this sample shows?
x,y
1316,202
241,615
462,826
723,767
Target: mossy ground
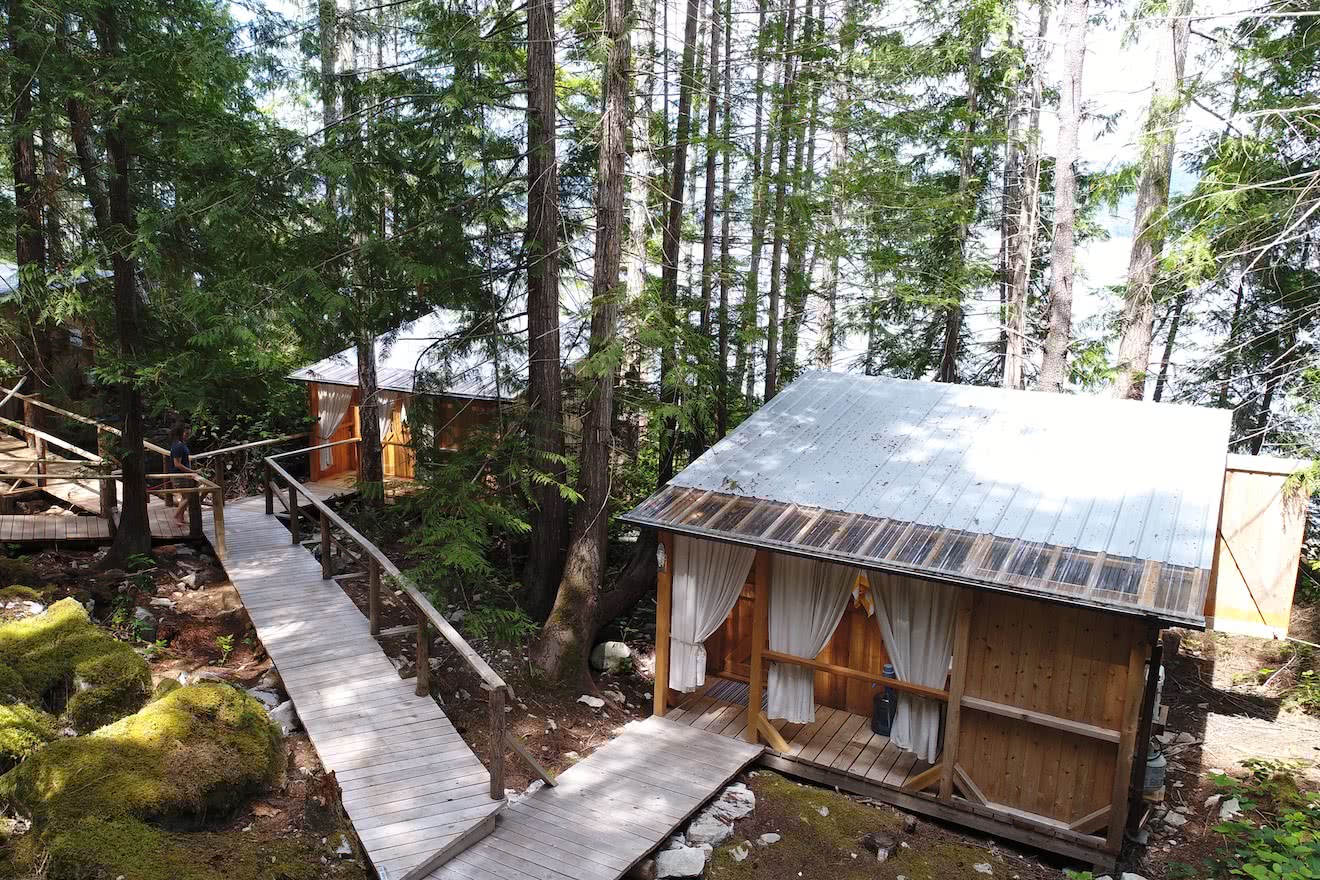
x,y
61,660
22,731
828,846
19,593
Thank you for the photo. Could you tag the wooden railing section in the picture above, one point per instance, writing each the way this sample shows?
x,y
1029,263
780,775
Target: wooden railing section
x,y
428,618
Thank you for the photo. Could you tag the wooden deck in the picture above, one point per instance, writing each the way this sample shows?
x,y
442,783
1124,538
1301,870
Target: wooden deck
x,y
608,811
838,741
410,784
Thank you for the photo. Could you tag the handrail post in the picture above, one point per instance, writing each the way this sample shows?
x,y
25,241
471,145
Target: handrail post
x,y
218,519
41,463
220,472
294,525
423,656
270,491
194,502
30,420
165,469
109,488
373,594
327,568
497,725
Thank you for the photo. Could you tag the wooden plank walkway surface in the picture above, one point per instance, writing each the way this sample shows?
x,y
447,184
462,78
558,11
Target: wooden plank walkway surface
x,y
609,810
411,786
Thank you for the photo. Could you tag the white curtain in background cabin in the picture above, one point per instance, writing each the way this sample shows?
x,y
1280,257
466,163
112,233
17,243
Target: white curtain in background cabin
x,y
331,407
708,577
807,600
385,401
916,621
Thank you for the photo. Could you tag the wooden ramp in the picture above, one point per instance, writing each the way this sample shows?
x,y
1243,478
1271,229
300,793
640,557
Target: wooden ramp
x,y
608,811
410,784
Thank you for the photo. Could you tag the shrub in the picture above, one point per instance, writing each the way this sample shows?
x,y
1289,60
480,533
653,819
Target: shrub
x,y
1285,845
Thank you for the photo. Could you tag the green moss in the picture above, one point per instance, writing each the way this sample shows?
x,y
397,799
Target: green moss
x,y
202,749
19,594
17,571
165,687
62,653
23,730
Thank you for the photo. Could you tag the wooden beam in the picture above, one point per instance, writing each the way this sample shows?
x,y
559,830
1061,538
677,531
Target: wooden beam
x,y
373,596
447,852
53,440
1092,822
423,656
516,743
918,689
962,634
664,605
498,736
968,786
926,778
1136,685
772,737
1042,719
760,628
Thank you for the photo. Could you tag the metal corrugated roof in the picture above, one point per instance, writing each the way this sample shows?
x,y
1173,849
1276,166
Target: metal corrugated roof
x,y
1104,502
429,346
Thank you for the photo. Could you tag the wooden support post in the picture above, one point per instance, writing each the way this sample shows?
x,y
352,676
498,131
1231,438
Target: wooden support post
x,y
41,462
220,472
497,724
218,520
373,594
760,631
194,502
664,598
1133,692
109,488
962,633
270,490
423,656
30,420
1145,720
294,524
166,469
327,563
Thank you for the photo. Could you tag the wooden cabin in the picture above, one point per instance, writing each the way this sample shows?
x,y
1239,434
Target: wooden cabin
x,y
420,365
1013,556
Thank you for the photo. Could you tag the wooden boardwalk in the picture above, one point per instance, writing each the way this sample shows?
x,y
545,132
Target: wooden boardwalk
x,y
410,784
836,740
609,810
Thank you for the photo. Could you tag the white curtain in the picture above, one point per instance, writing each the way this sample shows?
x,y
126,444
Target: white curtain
x,y
916,621
331,407
385,401
708,576
807,600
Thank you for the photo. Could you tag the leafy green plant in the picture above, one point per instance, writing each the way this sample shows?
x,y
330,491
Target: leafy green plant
x,y
140,562
1306,694
226,645
504,625
1285,843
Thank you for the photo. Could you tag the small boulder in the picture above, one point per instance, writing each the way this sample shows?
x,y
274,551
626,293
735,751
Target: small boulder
x,y
1229,809
708,828
740,852
1176,820
615,696
734,802
144,624
286,718
683,861
1128,875
267,697
983,868
768,838
612,657
593,702
909,824
880,843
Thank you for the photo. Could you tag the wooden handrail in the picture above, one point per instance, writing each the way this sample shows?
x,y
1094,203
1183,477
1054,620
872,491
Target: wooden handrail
x,y
423,605
240,447
917,689
313,448
53,440
86,420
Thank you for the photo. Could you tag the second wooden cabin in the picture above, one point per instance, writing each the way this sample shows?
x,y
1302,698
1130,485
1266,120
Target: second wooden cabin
x,y
1011,556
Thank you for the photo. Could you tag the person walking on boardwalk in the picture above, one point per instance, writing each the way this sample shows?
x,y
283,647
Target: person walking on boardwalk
x,y
180,463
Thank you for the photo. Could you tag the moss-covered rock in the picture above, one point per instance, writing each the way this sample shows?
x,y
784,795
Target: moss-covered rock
x,y
165,687
23,730
17,571
18,593
201,749
61,654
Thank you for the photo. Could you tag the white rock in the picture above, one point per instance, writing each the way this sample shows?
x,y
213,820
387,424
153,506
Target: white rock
x,y
740,852
268,698
983,868
550,723
611,657
676,841
683,861
1177,820
707,828
734,802
1229,809
286,718
1213,801
615,696
188,581
1128,875
768,838
1186,737
162,603
595,703
824,811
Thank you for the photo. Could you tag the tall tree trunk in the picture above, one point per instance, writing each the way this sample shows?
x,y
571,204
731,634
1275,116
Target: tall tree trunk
x,y
726,206
328,25
781,194
801,211
1274,378
1159,135
708,211
1054,365
546,550
30,239
133,535
1022,244
1230,357
751,304
1169,342
673,231
841,125
953,319
565,642
639,220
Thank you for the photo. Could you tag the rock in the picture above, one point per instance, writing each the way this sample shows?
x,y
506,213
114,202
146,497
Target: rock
x,y
1185,738
768,838
162,603
707,850
1229,809
880,843
676,841
345,849
458,617
268,698
188,582
286,718
740,852
270,680
683,861
909,824
595,703
145,624
1213,801
707,828
824,811
1128,875
734,802
184,550
612,657
1177,820
983,868
615,696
